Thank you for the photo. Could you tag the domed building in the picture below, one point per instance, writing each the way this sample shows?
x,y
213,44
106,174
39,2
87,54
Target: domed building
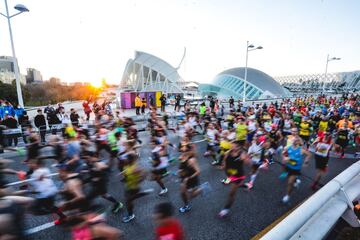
x,y
231,83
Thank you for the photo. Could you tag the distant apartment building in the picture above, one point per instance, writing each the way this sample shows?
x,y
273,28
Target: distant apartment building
x,y
7,70
79,84
33,76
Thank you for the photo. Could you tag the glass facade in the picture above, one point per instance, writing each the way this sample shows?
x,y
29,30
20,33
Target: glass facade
x,y
232,86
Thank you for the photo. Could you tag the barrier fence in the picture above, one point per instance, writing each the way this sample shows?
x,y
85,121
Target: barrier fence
x,y
316,216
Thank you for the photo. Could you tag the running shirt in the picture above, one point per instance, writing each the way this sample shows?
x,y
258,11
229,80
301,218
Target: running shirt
x,y
172,230
323,125
295,158
225,145
241,132
185,169
287,126
43,185
251,126
304,129
132,179
234,166
267,126
112,141
160,162
255,151
322,149
202,110
211,135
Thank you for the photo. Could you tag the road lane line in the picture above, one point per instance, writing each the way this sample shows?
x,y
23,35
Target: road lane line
x,y
39,228
274,223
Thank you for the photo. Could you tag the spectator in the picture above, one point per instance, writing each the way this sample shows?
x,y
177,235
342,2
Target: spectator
x,y
9,109
52,119
231,102
177,102
40,123
212,104
96,108
143,105
19,111
49,109
24,123
2,144
163,102
2,111
10,123
152,102
138,104
74,118
60,108
87,110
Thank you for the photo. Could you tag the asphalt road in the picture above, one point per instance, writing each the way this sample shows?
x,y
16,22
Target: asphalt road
x,y
251,213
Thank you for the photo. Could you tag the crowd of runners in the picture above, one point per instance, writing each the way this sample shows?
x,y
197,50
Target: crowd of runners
x,y
288,132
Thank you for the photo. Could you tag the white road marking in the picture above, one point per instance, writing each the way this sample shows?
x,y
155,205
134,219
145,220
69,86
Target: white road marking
x,y
39,228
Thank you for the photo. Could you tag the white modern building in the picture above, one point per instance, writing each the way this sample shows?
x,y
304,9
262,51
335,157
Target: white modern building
x,y
341,81
146,72
259,85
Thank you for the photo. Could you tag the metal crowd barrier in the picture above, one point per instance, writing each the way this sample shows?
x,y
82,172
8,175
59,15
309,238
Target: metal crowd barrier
x,y
316,216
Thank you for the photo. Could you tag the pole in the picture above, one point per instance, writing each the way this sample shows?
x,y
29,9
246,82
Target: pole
x,y
326,68
245,77
16,66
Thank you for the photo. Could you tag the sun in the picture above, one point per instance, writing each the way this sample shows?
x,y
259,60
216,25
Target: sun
x,y
96,84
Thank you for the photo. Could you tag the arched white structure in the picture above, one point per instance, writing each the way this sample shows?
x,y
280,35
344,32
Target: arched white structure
x,y
149,73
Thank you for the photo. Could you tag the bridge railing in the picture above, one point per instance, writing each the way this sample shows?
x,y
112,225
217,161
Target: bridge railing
x,y
316,216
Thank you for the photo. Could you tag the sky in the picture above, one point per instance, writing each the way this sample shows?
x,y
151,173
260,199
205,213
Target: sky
x,y
87,40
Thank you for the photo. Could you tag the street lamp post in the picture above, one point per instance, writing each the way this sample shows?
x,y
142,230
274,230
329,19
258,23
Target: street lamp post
x,y
326,69
21,8
248,49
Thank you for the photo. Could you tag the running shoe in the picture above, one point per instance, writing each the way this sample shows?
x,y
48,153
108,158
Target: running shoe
x,y
297,183
283,175
59,221
128,218
223,213
265,165
163,191
285,199
249,185
215,162
185,209
226,181
117,206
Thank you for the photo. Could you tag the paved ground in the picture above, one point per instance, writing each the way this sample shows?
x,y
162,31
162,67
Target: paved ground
x,y
251,213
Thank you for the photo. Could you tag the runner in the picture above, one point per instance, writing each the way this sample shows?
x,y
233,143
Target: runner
x,y
233,165
133,176
189,173
160,161
168,227
293,159
257,154
98,172
323,147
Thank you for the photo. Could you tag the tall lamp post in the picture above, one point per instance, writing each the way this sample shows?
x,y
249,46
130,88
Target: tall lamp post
x,y
326,69
21,8
248,49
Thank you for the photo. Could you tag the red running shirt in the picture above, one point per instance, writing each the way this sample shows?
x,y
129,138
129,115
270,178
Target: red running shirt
x,y
171,231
